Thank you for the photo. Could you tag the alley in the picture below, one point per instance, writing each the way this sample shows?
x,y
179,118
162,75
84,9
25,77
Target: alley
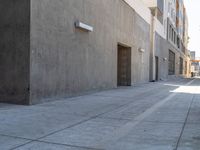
x,y
153,116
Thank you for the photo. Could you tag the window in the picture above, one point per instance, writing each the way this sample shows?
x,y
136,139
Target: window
x,y
186,67
170,34
178,42
172,31
160,5
160,10
181,66
160,16
169,8
171,67
174,37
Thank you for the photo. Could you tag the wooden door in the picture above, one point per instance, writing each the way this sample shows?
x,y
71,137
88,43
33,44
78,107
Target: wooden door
x,y
124,66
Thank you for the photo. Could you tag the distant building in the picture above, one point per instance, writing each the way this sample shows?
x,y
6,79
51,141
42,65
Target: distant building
x,y
169,54
193,55
195,68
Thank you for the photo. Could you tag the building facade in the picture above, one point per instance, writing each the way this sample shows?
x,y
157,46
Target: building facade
x,y
57,49
170,39
195,66
54,49
180,17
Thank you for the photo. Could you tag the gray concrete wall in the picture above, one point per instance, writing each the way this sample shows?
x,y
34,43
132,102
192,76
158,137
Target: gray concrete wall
x,y
14,51
162,51
66,61
162,48
178,54
140,61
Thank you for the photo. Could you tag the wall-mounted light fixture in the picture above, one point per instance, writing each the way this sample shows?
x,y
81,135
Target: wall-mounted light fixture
x,y
141,50
83,26
164,59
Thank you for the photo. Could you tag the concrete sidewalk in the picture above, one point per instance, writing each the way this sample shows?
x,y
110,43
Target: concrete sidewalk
x,y
154,116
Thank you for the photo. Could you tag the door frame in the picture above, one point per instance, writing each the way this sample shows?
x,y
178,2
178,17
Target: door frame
x,y
156,68
128,78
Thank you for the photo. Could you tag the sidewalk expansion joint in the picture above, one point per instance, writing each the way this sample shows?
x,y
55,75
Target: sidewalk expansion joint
x,y
183,128
116,135
124,130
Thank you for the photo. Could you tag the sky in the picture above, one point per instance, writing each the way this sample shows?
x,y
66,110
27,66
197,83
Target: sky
x,y
193,11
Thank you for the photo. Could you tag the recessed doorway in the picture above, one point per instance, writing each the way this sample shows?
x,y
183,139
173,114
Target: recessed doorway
x,y
157,68
124,66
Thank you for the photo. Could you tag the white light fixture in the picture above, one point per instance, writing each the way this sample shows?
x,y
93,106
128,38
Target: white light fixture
x,y
141,50
83,26
164,59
